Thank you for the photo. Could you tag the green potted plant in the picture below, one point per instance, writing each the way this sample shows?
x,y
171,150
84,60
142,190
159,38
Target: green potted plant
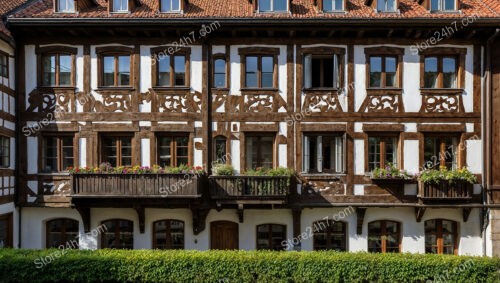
x,y
445,183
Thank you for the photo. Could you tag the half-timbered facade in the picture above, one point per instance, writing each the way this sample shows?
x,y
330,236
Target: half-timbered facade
x,y
331,89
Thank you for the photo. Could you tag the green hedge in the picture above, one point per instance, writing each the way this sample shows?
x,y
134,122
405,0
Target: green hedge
x,y
241,266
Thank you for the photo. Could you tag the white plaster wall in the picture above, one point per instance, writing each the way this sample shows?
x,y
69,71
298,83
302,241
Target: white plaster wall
x,y
235,153
411,149
145,152
32,152
83,152
196,68
30,70
198,154
359,157
474,158
10,208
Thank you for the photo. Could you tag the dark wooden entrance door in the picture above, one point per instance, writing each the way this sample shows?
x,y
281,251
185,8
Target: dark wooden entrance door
x,y
223,235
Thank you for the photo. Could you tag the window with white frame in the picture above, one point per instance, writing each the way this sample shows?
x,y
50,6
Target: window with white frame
x,y
323,153
333,5
66,6
443,5
321,71
167,6
386,5
120,5
273,5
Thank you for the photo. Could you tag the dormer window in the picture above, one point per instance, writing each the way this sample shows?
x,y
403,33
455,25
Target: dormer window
x,y
66,6
443,5
273,5
120,6
333,5
170,6
386,5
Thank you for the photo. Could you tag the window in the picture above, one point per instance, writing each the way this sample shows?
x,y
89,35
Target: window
x,y
173,150
321,71
220,149
220,73
4,151
333,5
440,72
170,6
57,153
57,69
330,235
384,237
120,5
383,71
61,231
117,150
171,71
259,152
270,236
119,234
441,237
273,5
168,234
324,153
66,6
386,5
6,231
116,70
440,151
4,65
381,152
259,72
443,5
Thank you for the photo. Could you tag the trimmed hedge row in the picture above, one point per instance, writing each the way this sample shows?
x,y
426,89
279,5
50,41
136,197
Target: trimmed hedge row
x,y
240,266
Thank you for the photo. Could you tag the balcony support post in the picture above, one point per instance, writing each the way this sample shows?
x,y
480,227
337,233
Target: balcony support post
x,y
360,215
240,212
419,213
296,213
199,219
141,213
84,212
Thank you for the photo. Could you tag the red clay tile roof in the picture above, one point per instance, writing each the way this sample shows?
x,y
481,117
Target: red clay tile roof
x,y
5,7
240,9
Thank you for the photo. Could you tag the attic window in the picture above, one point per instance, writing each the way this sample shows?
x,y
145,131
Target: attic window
x,y
169,6
120,5
386,5
66,6
443,5
273,5
333,5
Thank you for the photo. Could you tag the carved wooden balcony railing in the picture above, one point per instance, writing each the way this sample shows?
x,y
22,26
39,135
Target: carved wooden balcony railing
x,y
250,187
136,185
250,101
446,191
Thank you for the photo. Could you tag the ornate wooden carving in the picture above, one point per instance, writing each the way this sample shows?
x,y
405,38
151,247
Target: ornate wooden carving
x,y
199,219
56,187
85,215
322,102
173,102
466,212
48,100
419,213
382,103
360,215
142,216
250,102
113,103
240,212
435,103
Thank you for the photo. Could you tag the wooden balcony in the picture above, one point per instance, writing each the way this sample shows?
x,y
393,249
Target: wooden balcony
x,y
136,186
250,187
458,191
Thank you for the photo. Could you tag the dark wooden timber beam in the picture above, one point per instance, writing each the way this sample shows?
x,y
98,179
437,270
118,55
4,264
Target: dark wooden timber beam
x,y
360,215
419,213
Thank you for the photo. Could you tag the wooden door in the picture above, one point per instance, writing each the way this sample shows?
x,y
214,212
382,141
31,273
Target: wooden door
x,y
224,235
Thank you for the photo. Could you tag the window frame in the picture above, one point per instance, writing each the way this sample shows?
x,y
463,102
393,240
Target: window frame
x,y
385,52
258,4
443,52
59,151
280,247
343,135
8,218
113,10
439,235
163,51
383,234
329,234
64,237
181,7
56,51
440,9
321,6
119,162
114,51
168,234
6,139
4,68
226,148
443,149
117,233
58,10
258,135
220,56
376,6
258,52
173,147
383,140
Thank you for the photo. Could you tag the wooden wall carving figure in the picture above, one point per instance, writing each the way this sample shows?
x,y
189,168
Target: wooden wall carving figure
x,y
322,102
442,103
382,103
